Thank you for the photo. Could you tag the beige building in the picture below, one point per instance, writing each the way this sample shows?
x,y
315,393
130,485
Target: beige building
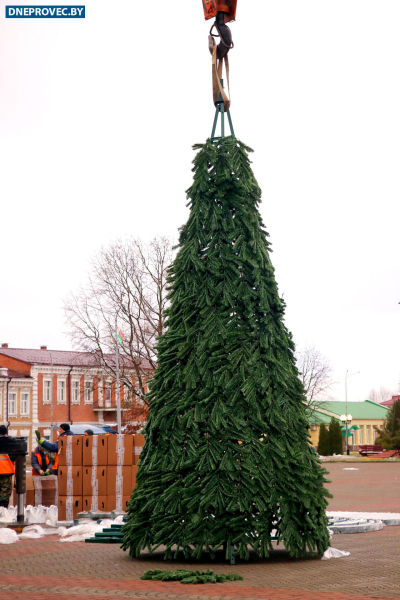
x,y
366,416
16,403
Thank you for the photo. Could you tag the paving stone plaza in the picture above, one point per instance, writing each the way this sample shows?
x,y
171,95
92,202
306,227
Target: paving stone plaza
x,y
47,569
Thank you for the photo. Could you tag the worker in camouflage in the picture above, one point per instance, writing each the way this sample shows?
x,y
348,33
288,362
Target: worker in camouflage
x,y
5,490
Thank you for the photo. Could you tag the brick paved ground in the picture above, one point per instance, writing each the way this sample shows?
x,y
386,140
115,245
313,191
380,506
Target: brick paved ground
x,y
374,487
49,570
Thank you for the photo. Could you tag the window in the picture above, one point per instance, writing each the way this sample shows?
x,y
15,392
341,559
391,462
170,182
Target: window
x,y
12,404
47,391
61,397
360,435
24,403
88,392
108,395
75,391
373,434
24,433
367,435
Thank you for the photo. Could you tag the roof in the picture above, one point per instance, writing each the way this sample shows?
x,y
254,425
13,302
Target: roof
x,y
15,375
389,403
317,417
358,410
64,358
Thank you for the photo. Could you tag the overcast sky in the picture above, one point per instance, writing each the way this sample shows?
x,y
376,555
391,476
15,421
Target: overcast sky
x,y
97,120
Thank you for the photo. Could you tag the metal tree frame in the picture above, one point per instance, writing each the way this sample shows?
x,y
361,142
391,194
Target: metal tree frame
x,y
220,109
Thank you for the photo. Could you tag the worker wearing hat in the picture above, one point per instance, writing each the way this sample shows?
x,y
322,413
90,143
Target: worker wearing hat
x,y
64,429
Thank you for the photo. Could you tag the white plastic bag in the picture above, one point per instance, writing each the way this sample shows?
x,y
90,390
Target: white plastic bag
x,y
8,515
52,515
79,533
334,553
36,514
33,514
32,532
106,523
119,520
8,536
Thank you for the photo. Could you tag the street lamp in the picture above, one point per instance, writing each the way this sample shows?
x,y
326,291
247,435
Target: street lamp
x,y
346,420
347,415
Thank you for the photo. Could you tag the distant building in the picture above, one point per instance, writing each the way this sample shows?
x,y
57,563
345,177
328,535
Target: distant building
x,y
366,416
17,386
389,403
40,387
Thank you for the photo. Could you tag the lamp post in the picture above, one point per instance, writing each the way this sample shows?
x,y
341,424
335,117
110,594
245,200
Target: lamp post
x,y
118,399
347,415
346,420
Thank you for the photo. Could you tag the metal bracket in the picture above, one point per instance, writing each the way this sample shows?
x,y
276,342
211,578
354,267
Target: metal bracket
x,y
220,109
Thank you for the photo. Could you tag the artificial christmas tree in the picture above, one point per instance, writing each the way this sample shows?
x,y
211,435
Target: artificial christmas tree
x,y
226,458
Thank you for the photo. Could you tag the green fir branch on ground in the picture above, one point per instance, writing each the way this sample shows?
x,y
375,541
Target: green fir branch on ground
x,y
185,576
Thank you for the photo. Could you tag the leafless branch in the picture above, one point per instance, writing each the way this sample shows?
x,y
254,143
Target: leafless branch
x,y
380,395
128,279
315,373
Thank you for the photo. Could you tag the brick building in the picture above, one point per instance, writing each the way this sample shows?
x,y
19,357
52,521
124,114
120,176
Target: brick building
x,y
389,403
41,387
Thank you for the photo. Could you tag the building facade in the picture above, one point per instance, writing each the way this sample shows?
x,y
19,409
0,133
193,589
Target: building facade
x,y
367,416
389,403
41,388
16,402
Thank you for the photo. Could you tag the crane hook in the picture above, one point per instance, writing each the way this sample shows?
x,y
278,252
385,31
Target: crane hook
x,y
224,33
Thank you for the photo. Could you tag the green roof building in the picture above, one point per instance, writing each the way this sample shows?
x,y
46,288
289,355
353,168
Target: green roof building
x,y
366,416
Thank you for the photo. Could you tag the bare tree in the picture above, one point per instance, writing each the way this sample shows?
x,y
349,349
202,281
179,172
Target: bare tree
x,y
127,282
380,395
315,374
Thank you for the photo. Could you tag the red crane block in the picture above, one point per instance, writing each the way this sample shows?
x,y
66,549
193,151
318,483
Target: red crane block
x,y
213,7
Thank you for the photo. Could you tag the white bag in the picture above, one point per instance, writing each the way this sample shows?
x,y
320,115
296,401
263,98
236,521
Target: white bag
x,y
52,515
32,532
334,553
8,536
36,514
8,515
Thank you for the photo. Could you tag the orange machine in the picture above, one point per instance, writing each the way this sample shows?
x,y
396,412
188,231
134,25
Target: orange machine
x,y
213,7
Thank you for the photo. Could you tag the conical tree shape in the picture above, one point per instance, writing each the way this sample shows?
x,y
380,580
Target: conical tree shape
x,y
323,443
335,439
226,458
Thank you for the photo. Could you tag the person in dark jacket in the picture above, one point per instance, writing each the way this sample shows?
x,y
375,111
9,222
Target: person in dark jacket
x,y
88,432
64,429
40,462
